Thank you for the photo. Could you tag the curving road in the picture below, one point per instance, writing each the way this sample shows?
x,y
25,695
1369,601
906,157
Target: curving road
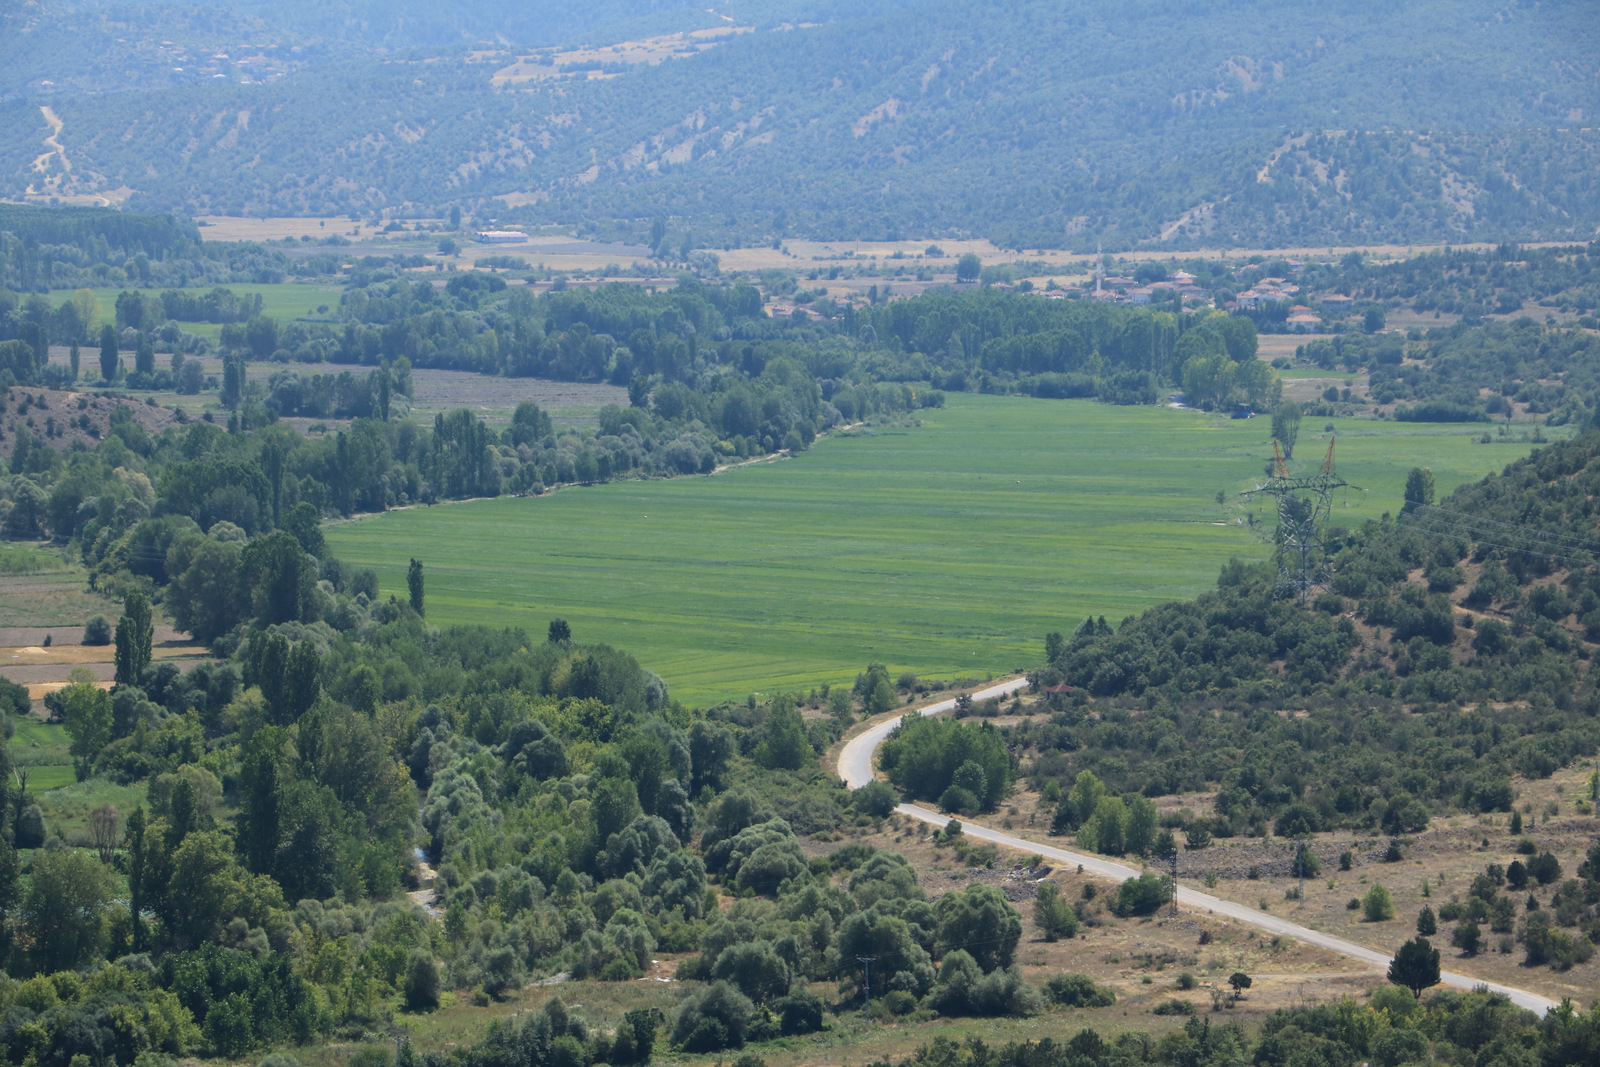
x,y
856,768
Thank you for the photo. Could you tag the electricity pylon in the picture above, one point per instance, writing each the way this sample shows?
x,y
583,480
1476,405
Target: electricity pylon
x,y
1303,506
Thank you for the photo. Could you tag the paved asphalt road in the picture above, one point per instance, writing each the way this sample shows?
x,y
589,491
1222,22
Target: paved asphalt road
x,y
855,767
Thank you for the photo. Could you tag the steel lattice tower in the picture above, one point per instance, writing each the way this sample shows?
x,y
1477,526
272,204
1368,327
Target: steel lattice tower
x,y
1303,506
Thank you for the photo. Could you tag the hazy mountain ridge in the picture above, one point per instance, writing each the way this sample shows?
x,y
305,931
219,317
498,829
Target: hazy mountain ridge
x,y
1049,125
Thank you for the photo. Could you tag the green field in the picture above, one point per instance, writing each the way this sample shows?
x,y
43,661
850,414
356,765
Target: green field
x,y
949,549
282,301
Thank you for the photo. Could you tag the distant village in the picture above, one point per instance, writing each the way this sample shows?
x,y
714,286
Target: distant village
x,y
1301,317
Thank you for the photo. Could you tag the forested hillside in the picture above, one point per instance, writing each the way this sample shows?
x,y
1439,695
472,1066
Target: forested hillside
x,y
1451,650
1045,126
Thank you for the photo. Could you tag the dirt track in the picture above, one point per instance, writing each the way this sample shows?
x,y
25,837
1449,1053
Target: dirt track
x,y
855,767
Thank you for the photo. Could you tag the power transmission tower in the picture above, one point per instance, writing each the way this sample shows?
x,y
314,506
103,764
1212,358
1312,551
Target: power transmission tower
x,y
1303,506
866,987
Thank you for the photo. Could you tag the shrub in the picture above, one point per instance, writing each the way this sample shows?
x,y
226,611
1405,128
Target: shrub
x,y
422,981
1395,1045
1544,868
97,631
1142,895
1077,991
1377,906
876,799
963,989
801,1012
1052,915
715,1018
30,827
1305,864
755,968
898,1002
959,800
1174,1007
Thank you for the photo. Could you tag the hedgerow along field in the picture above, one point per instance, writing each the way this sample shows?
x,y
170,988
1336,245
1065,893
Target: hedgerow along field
x,y
947,549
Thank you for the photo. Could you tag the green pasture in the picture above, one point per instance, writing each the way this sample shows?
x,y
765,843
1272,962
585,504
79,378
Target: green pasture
x,y
18,558
282,301
946,549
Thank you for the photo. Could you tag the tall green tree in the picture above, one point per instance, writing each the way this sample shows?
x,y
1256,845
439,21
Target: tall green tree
x,y
1415,966
204,597
414,585
232,380
980,920
280,577
135,632
301,681
10,892
784,744
64,913
138,860
108,353
87,715
1286,426
1419,488
263,775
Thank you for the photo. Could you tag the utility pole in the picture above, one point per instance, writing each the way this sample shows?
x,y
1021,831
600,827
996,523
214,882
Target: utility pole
x,y
1300,862
866,987
1173,859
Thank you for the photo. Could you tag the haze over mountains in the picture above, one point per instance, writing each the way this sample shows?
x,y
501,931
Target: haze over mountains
x,y
1040,124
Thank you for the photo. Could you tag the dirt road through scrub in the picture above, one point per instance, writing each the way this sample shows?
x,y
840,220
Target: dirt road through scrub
x,y
855,767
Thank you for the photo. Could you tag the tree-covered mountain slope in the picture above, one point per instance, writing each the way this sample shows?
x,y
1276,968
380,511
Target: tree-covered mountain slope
x,y
1041,124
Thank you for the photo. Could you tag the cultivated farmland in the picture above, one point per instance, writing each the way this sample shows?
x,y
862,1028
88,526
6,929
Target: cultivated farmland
x,y
947,549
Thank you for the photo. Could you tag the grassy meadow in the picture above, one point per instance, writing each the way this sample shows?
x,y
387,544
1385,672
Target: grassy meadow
x,y
946,549
283,301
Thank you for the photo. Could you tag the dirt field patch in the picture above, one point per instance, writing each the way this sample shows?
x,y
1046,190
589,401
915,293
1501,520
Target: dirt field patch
x,y
494,399
45,669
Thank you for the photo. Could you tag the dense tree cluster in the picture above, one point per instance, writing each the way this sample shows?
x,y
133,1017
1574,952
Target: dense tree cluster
x,y
1420,691
1471,284
963,766
1474,374
67,248
1389,1029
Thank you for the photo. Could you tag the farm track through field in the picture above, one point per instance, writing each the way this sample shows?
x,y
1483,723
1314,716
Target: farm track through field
x,y
856,768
